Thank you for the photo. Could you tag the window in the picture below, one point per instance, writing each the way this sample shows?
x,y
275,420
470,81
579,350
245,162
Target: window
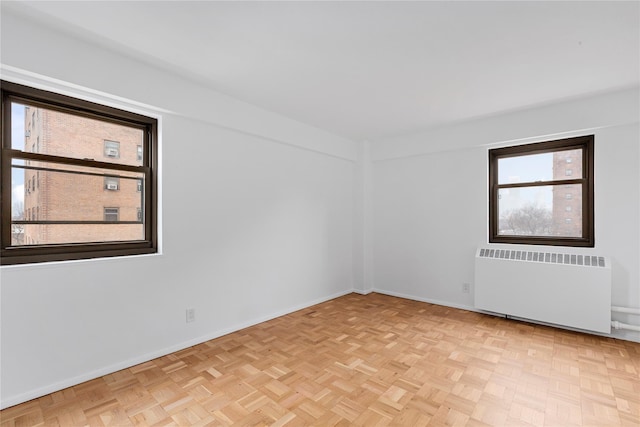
x,y
111,214
535,199
112,149
98,199
111,183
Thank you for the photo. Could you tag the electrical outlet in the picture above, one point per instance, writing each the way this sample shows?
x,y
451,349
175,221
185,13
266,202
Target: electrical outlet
x,y
466,287
191,315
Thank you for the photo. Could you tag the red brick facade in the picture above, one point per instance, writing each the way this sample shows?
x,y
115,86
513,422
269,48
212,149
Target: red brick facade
x,y
56,196
567,199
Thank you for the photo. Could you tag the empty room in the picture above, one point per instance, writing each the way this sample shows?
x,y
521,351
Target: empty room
x,y
320,213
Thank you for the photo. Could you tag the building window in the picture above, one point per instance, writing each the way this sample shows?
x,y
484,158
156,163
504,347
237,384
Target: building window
x,y
73,222
111,214
112,149
111,183
527,197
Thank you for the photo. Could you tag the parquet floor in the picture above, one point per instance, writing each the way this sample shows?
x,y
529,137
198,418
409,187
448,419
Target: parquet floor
x,y
366,361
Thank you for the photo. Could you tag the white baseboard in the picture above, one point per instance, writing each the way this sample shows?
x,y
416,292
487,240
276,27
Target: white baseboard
x,y
33,394
6,402
621,335
428,300
363,292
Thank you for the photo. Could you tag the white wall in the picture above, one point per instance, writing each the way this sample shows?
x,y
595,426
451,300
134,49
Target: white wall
x,y
257,221
262,215
431,206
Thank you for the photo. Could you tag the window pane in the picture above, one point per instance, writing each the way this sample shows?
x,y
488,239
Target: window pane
x,y
46,131
79,178
558,165
42,234
540,211
68,196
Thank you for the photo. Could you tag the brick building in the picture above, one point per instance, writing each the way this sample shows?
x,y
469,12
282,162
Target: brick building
x,y
80,193
567,199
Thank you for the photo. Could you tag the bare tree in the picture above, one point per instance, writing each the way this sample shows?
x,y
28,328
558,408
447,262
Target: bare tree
x,y
17,209
529,220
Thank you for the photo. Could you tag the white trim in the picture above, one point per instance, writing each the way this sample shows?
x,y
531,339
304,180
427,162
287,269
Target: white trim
x,y
427,300
38,81
51,388
42,391
471,308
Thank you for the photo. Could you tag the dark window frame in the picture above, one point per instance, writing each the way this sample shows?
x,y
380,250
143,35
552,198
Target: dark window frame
x,y
27,254
586,143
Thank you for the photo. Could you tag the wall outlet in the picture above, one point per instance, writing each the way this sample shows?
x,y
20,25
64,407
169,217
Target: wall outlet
x,y
191,315
466,288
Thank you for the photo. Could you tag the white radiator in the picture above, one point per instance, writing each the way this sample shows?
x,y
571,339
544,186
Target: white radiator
x,y
563,289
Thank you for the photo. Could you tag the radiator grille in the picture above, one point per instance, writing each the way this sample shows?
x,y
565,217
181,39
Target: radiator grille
x,y
544,257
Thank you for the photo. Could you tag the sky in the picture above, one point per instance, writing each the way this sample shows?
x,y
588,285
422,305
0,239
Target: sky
x,y
537,167
530,168
17,142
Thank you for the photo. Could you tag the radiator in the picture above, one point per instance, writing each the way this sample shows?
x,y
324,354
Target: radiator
x,y
563,289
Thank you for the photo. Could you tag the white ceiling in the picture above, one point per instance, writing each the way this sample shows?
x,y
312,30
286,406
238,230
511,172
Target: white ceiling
x,y
368,70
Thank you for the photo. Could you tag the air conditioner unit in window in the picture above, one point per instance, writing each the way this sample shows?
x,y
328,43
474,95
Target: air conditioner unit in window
x,y
112,186
112,152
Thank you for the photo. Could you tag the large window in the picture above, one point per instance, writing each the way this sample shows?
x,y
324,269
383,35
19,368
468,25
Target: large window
x,y
542,193
66,165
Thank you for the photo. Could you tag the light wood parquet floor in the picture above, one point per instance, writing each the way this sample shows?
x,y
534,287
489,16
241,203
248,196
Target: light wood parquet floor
x,y
370,360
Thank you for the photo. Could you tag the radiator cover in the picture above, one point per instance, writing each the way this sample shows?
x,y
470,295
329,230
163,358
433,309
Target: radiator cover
x,y
564,289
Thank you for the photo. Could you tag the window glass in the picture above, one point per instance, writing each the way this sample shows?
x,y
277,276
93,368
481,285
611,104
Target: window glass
x,y
61,234
538,211
542,193
539,167
76,174
75,136
111,214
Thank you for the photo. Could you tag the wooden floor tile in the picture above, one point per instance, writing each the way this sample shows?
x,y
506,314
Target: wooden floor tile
x,y
370,360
